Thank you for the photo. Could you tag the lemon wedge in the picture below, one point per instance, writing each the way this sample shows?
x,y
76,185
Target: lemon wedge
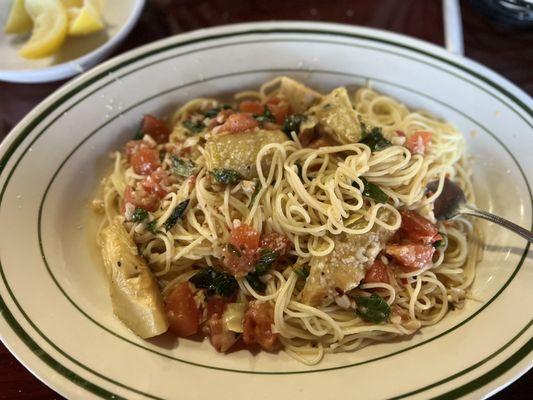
x,y
50,25
18,20
85,19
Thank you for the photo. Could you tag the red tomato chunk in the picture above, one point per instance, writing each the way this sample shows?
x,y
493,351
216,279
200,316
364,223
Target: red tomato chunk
x,y
258,322
411,257
238,123
419,142
377,273
156,128
145,161
240,257
141,199
182,313
418,229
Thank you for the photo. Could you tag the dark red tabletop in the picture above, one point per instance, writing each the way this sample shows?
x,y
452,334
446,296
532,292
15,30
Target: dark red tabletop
x,y
506,50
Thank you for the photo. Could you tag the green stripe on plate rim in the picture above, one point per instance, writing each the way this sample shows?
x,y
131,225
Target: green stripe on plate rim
x,y
65,97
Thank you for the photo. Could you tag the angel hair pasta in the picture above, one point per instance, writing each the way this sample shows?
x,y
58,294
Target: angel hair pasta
x,y
287,219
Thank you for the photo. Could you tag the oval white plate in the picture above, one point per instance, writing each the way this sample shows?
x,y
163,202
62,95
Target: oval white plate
x,y
56,314
77,53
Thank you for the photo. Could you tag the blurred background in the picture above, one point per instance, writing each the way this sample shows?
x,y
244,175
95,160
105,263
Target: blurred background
x,y
496,33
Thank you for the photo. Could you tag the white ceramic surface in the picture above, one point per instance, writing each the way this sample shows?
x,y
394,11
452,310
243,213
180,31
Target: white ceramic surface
x,y
77,54
56,314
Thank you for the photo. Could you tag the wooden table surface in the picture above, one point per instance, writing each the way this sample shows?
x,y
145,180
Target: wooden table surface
x,y
507,51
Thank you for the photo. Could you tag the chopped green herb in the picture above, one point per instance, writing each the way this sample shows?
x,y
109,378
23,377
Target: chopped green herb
x,y
215,281
213,112
373,191
226,176
151,226
256,283
138,135
373,309
267,257
440,243
183,167
327,106
257,189
162,154
267,116
194,127
176,215
292,123
300,170
234,250
138,215
302,272
374,138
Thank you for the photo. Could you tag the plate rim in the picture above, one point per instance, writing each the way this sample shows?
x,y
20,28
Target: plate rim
x,y
11,143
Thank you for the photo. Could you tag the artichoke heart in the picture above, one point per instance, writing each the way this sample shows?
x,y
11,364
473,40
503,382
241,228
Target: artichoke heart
x,y
136,298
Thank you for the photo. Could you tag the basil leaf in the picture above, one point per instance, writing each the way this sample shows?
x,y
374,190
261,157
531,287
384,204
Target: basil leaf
x,y
138,215
300,171
151,226
374,138
267,257
215,281
176,215
256,283
138,135
183,167
302,272
292,124
226,176
373,191
194,127
213,112
267,116
373,309
440,243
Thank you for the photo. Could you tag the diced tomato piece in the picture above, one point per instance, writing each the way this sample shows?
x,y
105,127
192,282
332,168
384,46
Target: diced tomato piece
x,y
216,305
418,142
156,128
400,133
240,259
377,273
141,199
417,229
258,321
245,238
133,147
276,242
252,107
279,109
411,257
154,184
145,161
182,313
238,123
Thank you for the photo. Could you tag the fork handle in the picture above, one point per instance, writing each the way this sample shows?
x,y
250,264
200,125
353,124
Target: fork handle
x,y
469,210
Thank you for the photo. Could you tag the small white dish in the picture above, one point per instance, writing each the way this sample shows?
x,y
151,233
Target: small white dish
x,y
77,53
